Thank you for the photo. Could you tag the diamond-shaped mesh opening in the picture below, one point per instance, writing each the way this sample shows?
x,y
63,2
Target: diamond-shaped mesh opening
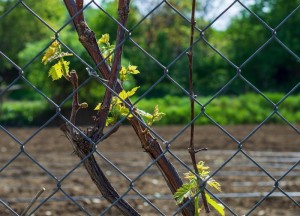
x,y
288,35
108,15
283,12
79,187
153,191
166,44
239,43
281,192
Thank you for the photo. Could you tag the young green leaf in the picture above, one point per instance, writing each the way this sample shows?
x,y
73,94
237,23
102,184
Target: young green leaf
x,y
107,55
185,191
132,91
124,95
110,121
122,110
123,74
98,106
58,70
51,51
148,116
132,69
194,187
59,55
157,115
214,184
104,39
217,206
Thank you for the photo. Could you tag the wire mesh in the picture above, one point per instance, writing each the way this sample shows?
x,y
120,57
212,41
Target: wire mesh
x,y
130,173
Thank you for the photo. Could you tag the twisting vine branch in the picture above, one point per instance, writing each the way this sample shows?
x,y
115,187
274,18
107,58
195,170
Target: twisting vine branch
x,y
104,109
84,150
149,143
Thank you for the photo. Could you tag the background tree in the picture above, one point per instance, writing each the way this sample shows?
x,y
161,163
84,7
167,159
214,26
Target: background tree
x,y
19,27
164,35
273,69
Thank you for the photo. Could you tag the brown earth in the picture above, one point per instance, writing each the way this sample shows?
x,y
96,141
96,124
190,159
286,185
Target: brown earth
x,y
248,171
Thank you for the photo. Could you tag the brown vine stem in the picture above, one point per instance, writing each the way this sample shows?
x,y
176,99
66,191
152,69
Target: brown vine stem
x,y
123,11
84,150
191,148
73,78
149,143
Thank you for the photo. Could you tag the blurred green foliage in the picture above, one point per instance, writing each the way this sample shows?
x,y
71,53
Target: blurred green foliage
x,y
165,36
244,109
225,110
20,113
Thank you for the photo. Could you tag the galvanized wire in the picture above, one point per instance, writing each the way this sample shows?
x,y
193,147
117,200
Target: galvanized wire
x,y
275,178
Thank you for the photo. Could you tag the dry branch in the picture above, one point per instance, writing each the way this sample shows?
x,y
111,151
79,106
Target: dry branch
x,y
191,148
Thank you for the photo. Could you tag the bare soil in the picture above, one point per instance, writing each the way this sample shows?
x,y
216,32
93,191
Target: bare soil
x,y
249,162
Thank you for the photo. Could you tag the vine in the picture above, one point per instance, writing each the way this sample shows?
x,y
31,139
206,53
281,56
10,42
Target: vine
x,y
117,106
191,189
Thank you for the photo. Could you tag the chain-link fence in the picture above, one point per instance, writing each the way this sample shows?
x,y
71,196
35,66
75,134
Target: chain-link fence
x,y
257,165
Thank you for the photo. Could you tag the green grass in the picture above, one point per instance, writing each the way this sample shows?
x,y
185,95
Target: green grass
x,y
225,110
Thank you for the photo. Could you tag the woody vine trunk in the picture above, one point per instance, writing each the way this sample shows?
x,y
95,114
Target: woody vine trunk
x,y
81,146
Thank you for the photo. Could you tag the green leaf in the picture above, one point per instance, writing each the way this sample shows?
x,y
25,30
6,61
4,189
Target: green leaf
x,y
110,121
214,184
132,91
132,69
124,95
203,170
104,39
157,115
217,206
98,106
58,70
122,110
51,51
123,74
144,114
108,56
185,191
